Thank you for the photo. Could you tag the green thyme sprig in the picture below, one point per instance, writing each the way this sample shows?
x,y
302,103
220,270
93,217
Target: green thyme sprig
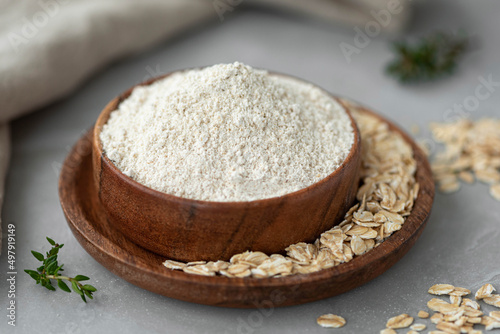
x,y
430,58
49,270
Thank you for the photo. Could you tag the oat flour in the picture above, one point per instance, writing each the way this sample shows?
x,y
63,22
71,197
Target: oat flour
x,y
228,133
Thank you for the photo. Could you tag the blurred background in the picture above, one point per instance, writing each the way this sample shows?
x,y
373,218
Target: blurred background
x,y
61,61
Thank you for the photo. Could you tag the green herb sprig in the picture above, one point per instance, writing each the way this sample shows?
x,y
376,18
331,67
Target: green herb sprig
x,y
430,58
49,270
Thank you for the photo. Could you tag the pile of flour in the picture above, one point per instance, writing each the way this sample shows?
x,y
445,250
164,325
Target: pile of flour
x,y
228,133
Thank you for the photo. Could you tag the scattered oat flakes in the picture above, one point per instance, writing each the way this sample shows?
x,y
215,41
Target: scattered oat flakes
x,y
199,269
466,177
194,263
358,246
470,152
471,303
449,187
470,312
439,305
423,314
400,321
462,321
493,300
448,327
418,327
171,264
239,270
474,320
489,175
453,314
331,321
485,291
455,300
436,318
495,315
463,313
388,331
441,289
490,323
459,316
460,292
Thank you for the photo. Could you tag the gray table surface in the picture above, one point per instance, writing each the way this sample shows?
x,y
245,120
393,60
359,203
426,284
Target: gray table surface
x,y
459,246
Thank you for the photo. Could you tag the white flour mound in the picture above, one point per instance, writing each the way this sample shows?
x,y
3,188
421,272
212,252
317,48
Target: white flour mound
x,y
228,133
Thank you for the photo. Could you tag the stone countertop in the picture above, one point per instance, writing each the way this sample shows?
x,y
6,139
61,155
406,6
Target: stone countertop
x,y
459,246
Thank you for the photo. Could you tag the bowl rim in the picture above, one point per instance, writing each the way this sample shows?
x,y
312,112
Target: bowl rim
x,y
107,251
354,152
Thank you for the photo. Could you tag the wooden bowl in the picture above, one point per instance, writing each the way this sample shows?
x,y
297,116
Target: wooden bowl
x,y
190,230
90,225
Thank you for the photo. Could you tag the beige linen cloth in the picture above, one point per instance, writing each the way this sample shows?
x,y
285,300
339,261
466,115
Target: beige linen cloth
x,y
49,47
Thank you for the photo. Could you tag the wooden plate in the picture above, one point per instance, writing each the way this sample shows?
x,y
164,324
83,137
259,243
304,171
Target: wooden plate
x,y
89,224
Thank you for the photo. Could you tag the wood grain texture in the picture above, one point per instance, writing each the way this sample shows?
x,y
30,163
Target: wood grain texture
x,y
190,230
90,225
